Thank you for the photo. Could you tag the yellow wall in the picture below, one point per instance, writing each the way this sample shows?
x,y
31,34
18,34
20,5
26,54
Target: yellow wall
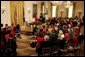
x,y
39,9
5,17
61,8
79,7
28,9
18,7
28,6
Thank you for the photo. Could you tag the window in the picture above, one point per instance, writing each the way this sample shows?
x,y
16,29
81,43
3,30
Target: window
x,y
53,11
70,11
34,10
43,9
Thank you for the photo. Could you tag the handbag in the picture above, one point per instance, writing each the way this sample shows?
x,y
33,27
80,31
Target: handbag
x,y
33,44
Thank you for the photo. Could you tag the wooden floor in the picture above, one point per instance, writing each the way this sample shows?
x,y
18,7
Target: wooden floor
x,y
23,46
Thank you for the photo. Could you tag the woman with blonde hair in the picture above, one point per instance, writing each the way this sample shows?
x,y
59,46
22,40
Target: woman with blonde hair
x,y
61,39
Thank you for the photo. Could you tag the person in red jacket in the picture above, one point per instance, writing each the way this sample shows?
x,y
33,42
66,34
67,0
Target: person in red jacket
x,y
7,36
44,29
53,28
2,47
40,38
13,34
74,41
13,27
66,36
35,17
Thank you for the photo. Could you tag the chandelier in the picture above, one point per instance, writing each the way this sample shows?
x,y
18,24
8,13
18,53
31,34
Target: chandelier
x,y
66,3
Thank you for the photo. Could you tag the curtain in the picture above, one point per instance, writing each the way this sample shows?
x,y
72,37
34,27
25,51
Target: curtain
x,y
16,10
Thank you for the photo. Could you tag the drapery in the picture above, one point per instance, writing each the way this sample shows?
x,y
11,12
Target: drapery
x,y
16,12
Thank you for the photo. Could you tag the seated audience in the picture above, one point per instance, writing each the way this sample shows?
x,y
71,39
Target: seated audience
x,y
18,31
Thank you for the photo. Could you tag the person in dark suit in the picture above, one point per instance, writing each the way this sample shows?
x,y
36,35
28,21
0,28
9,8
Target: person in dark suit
x,y
18,31
1,25
41,17
12,46
34,29
6,26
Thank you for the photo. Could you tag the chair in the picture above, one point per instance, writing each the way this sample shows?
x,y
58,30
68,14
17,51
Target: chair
x,y
70,52
46,49
54,51
76,51
62,52
54,48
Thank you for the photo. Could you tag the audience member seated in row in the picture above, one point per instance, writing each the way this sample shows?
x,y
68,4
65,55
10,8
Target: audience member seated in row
x,y
8,41
62,32
18,31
